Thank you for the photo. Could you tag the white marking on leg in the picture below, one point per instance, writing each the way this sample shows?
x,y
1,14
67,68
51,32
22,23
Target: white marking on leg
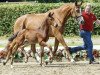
x,y
12,66
37,57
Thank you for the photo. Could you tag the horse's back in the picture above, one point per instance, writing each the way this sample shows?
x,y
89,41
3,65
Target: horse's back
x,y
31,21
35,21
19,23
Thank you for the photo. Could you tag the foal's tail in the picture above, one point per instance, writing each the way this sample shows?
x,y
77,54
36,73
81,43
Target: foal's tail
x,y
19,25
13,37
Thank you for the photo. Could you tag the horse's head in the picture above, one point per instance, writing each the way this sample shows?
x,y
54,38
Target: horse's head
x,y
51,20
76,12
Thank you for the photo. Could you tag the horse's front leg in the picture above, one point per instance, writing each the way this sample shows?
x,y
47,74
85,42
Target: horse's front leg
x,y
35,54
42,54
60,38
50,48
55,46
33,48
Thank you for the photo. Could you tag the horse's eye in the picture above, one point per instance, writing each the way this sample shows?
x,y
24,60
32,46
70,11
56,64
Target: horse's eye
x,y
77,10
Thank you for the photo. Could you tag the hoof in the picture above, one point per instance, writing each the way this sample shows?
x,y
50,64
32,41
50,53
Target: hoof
x,y
51,61
37,58
40,64
46,63
26,61
4,63
11,66
72,60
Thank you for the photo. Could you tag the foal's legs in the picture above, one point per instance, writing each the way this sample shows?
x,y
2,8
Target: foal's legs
x,y
42,43
33,48
13,52
9,52
42,53
24,52
15,48
34,52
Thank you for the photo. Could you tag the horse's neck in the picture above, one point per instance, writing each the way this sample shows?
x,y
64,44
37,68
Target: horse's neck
x,y
63,14
44,29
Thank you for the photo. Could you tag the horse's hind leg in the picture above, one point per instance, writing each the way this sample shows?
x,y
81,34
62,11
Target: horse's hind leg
x,y
24,52
7,58
9,52
13,52
15,48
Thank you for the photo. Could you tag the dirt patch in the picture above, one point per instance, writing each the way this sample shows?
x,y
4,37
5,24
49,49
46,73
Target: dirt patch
x,y
56,68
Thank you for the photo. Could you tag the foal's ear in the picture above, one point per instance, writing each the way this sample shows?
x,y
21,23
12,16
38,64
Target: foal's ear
x,y
51,14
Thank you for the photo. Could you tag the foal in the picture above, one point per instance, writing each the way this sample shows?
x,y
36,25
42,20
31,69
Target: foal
x,y
33,36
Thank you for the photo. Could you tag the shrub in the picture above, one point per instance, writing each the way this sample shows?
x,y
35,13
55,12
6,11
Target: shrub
x,y
11,11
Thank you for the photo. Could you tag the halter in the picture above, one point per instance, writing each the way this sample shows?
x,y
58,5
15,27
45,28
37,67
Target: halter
x,y
80,14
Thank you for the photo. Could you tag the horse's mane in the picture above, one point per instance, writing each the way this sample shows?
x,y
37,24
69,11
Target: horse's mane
x,y
62,6
67,4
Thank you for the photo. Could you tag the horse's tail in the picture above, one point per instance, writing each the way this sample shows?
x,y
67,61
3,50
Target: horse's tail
x,y
13,37
23,23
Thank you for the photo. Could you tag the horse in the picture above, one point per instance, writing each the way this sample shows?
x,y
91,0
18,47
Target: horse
x,y
61,15
36,34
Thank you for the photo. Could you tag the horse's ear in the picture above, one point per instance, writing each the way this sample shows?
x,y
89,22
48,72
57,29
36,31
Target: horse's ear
x,y
50,14
81,3
75,2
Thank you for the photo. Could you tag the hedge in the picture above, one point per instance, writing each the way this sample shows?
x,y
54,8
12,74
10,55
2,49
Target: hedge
x,y
9,12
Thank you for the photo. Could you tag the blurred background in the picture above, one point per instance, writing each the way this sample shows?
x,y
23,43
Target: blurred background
x,y
49,1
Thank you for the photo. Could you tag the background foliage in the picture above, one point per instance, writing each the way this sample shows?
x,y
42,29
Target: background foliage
x,y
9,12
49,1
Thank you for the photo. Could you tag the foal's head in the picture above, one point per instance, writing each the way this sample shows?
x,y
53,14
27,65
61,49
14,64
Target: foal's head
x,y
76,12
51,20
